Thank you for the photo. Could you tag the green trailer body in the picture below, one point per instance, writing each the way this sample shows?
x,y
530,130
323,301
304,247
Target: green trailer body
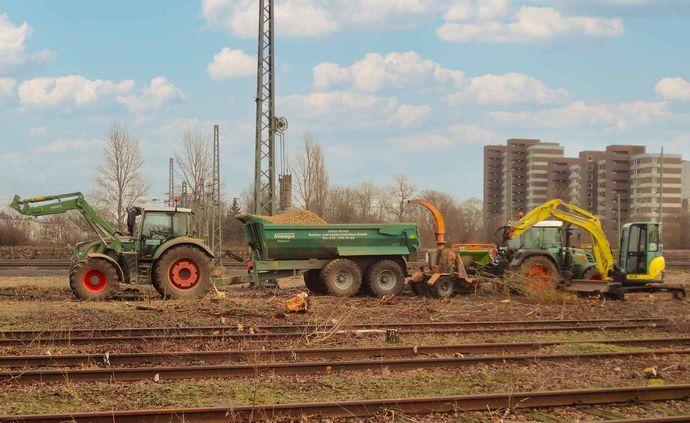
x,y
280,250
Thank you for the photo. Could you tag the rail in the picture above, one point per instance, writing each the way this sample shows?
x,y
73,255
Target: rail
x,y
367,408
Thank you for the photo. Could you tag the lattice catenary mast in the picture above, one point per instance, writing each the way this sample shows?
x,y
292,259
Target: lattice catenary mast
x,y
171,184
265,195
264,168
217,218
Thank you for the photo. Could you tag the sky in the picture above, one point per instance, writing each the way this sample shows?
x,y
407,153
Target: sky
x,y
387,87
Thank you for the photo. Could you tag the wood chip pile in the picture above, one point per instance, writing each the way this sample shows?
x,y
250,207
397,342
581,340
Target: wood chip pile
x,y
296,217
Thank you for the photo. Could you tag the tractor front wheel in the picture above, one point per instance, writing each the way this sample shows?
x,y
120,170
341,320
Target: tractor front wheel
x,y
94,279
539,273
183,272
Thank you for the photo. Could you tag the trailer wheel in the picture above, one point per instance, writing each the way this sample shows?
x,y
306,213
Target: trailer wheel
x,y
539,273
341,277
313,282
94,279
444,287
183,272
385,277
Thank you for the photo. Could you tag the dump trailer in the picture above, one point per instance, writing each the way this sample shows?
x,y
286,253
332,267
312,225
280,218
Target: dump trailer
x,y
335,259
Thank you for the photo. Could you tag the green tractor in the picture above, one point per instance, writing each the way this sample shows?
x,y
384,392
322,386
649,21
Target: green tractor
x,y
544,250
159,249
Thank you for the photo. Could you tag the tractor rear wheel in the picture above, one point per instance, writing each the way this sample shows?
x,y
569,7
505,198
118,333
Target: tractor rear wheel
x,y
183,272
341,277
385,277
539,273
94,279
313,282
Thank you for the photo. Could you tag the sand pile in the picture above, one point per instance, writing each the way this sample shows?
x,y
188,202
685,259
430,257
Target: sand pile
x,y
296,217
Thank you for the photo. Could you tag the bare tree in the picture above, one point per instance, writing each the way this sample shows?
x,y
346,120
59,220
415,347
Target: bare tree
x,y
311,176
365,198
401,191
119,182
340,208
194,163
247,199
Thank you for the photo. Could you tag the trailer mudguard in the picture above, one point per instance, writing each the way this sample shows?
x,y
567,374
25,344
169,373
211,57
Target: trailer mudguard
x,y
182,240
110,260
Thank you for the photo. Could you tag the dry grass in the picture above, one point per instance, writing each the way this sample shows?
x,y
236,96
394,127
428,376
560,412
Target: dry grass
x,y
512,283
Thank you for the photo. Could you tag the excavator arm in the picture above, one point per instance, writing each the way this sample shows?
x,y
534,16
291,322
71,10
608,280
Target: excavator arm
x,y
62,203
570,213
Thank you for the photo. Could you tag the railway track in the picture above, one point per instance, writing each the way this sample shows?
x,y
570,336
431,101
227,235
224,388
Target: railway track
x,y
130,374
129,359
147,331
367,408
63,338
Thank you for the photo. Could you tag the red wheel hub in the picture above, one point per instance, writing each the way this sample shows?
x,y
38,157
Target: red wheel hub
x,y
538,277
94,280
595,277
184,274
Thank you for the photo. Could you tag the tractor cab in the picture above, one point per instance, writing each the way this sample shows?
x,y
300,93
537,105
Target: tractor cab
x,y
551,238
153,226
640,257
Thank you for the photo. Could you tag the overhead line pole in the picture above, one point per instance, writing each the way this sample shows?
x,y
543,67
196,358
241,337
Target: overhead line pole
x,y
217,218
264,167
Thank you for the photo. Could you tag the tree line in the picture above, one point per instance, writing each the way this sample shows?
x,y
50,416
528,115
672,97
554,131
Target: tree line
x,y
120,184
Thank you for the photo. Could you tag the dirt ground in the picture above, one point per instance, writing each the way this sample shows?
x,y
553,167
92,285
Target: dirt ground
x,y
45,302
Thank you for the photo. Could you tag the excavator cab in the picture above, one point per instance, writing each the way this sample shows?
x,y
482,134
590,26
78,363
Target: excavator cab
x,y
640,257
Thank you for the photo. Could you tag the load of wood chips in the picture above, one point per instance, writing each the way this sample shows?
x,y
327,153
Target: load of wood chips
x,y
296,217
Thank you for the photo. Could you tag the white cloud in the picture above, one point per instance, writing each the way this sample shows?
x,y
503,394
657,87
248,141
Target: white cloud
x,y
62,146
317,18
473,134
408,115
13,45
7,88
229,63
457,135
580,114
38,131
376,72
157,94
301,18
68,91
351,110
480,10
673,89
493,21
388,14
507,89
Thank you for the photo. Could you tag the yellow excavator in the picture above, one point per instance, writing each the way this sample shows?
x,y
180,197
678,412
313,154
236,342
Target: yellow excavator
x,y
640,264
